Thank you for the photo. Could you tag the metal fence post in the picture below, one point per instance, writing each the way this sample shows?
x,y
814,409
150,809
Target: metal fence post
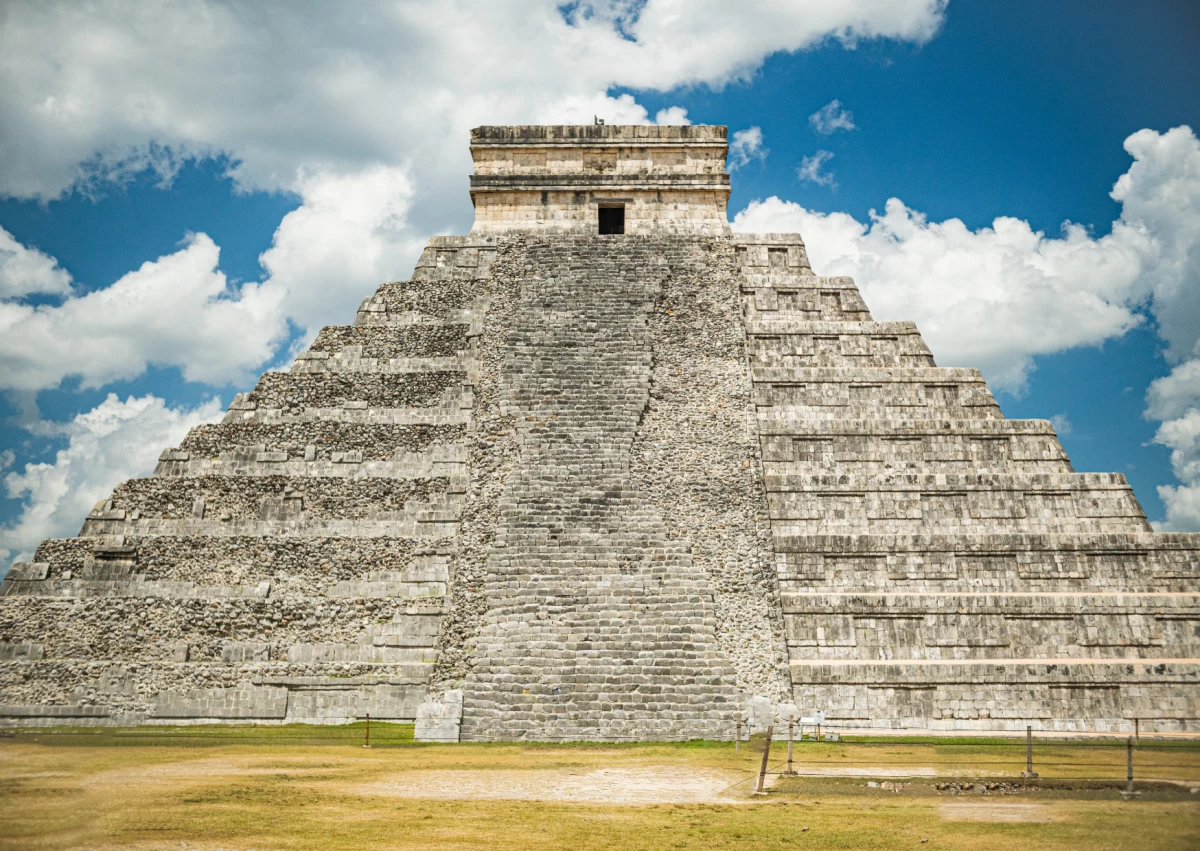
x,y
790,725
762,772
1029,772
737,737
1129,766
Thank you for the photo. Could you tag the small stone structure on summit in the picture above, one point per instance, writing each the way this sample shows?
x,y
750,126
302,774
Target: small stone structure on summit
x,y
603,470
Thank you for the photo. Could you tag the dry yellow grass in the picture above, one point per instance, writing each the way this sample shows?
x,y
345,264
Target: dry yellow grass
x,y
282,790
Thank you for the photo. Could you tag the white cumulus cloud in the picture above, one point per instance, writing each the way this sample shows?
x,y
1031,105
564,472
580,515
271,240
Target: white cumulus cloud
x,y
1175,400
349,236
812,169
831,118
112,442
27,271
178,310
1182,436
672,115
746,145
284,87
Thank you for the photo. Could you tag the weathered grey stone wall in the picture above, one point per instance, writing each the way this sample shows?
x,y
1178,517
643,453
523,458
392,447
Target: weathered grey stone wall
x,y
493,455
942,567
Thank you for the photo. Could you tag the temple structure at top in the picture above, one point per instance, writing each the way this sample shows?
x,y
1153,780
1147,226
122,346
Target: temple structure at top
x,y
604,470
608,179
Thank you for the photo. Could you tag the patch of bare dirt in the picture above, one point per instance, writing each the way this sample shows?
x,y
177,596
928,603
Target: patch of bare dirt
x,y
856,771
651,784
997,812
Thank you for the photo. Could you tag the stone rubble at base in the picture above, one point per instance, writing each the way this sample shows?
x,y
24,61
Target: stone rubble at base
x,y
564,486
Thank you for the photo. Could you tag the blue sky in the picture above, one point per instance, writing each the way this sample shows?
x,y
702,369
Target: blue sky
x,y
272,189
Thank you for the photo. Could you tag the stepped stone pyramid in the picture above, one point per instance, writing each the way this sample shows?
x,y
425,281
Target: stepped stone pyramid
x,y
604,470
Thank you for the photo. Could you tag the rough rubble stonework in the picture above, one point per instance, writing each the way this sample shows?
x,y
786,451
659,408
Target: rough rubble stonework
x,y
563,485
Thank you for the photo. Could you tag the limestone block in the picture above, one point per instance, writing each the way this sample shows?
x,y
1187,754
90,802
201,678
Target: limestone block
x,y
239,703
440,719
240,652
25,652
26,571
760,713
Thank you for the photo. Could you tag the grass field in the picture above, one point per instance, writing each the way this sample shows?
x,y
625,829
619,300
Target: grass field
x,y
318,788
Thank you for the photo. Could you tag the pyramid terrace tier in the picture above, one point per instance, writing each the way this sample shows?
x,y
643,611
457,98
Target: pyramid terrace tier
x,y
803,446
258,460
453,410
98,693
382,342
337,566
771,253
314,441
447,286
801,297
871,393
858,627
242,497
300,391
800,343
423,579
1051,694
231,630
392,349
909,503
1019,562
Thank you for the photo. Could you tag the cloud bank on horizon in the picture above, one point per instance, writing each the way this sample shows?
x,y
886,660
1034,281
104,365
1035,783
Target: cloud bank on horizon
x,y
362,115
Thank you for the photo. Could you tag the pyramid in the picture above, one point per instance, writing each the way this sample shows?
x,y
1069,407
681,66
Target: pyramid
x,y
603,470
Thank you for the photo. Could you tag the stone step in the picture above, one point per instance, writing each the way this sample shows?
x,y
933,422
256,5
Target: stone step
x,y
405,342
319,441
226,629
274,498
791,393
245,560
791,343
950,626
780,253
808,298
913,451
1052,695
302,391
350,464
421,523
1001,562
348,361
896,504
452,411
904,332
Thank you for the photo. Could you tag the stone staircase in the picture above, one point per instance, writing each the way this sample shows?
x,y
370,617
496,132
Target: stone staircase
x,y
599,626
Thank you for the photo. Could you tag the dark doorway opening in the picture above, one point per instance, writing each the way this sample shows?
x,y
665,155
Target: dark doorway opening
x,y
612,219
